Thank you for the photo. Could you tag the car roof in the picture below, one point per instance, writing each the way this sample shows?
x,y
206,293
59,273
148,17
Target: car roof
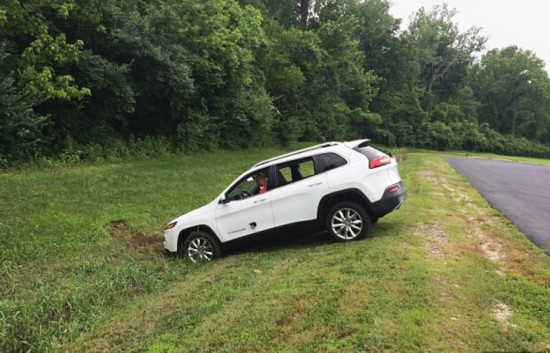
x,y
309,151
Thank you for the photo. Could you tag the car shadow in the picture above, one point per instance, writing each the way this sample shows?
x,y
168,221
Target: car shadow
x,y
276,242
286,240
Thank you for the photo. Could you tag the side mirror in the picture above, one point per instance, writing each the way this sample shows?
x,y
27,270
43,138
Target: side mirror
x,y
223,200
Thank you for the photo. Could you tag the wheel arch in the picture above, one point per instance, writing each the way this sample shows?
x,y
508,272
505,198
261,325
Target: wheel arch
x,y
184,234
349,195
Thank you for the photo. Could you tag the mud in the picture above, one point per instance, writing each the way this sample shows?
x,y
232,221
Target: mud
x,y
144,245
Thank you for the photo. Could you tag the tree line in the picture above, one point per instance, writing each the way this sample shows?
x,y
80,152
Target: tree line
x,y
88,78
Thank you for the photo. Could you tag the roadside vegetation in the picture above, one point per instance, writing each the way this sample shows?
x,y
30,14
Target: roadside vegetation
x,y
91,79
82,268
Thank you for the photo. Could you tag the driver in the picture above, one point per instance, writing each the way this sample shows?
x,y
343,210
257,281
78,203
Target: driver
x,y
261,180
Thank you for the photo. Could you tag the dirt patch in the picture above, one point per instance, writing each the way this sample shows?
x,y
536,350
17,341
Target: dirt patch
x,y
491,248
457,195
436,239
429,176
145,245
288,323
502,314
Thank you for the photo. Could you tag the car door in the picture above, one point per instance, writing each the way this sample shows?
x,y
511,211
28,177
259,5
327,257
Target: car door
x,y
247,216
297,200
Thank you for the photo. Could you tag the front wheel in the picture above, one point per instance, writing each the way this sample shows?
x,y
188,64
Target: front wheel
x,y
201,247
347,221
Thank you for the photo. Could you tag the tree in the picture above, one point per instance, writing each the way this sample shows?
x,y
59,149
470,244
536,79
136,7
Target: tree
x,y
20,125
440,44
514,90
42,54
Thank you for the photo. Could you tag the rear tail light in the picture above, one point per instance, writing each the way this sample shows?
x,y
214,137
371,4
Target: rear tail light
x,y
393,189
379,161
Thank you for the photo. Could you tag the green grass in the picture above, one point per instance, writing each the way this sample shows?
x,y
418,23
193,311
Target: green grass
x,y
500,157
444,273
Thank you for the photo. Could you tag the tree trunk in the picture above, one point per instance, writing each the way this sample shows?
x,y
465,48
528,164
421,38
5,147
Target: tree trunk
x,y
304,13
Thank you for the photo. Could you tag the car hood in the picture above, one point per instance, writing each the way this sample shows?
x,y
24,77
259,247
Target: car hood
x,y
198,212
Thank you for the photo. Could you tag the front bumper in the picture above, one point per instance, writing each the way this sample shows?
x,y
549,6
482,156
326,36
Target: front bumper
x,y
390,201
171,240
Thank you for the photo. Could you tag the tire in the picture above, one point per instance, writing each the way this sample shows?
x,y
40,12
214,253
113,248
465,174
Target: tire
x,y
201,247
347,221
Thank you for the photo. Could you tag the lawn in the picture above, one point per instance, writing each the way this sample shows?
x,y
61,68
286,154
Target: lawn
x,y
82,269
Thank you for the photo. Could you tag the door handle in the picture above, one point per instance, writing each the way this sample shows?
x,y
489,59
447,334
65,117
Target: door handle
x,y
258,201
315,184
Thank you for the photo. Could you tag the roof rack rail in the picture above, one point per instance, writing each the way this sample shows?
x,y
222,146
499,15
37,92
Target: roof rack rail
x,y
322,145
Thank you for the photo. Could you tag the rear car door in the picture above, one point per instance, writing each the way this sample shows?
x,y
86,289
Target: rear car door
x,y
298,193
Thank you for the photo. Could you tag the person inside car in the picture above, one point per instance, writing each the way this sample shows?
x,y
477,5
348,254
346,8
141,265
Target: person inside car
x,y
261,180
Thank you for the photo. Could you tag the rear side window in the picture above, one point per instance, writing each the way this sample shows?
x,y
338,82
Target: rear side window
x,y
329,161
376,158
291,172
307,168
294,171
371,152
286,173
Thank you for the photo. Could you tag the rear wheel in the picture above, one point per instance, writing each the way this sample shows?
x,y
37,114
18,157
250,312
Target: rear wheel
x,y
201,247
347,221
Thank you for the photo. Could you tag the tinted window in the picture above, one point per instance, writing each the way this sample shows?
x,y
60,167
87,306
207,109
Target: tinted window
x,y
307,168
371,152
329,161
291,172
286,173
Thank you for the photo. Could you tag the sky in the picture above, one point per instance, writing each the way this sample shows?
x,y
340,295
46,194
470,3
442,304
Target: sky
x,y
524,23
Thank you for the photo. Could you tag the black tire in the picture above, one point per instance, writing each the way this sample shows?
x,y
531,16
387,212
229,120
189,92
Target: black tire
x,y
347,221
201,247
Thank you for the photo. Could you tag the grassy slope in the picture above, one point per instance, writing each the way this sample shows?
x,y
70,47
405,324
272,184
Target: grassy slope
x,y
444,273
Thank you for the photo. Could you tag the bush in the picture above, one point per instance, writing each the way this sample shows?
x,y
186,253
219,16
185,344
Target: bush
x,y
402,154
439,136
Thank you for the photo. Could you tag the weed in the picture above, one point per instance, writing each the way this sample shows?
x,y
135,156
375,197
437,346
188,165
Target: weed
x,y
402,154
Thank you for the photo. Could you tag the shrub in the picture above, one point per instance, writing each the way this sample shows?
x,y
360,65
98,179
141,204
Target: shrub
x,y
402,154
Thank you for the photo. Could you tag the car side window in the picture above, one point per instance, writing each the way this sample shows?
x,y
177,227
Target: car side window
x,y
307,168
286,173
246,187
291,172
329,161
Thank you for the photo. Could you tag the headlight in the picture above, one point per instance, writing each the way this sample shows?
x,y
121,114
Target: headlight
x,y
170,225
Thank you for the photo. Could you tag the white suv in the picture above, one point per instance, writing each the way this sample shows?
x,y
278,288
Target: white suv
x,y
341,187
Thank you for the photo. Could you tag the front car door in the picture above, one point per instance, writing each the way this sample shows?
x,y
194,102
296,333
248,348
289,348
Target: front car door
x,y
245,212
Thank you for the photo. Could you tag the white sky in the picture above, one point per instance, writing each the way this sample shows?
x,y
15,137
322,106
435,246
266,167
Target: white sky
x,y
525,23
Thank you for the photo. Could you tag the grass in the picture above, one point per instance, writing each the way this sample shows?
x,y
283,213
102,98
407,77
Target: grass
x,y
500,157
82,269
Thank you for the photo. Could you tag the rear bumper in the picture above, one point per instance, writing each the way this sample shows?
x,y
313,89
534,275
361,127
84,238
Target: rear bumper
x,y
390,200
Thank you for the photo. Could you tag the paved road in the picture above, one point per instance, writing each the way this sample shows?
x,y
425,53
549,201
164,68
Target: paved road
x,y
520,191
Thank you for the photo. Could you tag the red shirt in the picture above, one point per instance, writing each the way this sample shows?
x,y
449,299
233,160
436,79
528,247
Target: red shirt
x,y
263,189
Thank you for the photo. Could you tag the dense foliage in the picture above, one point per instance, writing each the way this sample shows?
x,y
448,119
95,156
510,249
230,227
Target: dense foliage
x,y
82,78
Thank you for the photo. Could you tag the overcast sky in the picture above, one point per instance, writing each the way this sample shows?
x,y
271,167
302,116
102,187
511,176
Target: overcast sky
x,y
525,23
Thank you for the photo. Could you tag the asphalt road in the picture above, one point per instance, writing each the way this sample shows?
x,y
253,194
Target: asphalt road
x,y
520,191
